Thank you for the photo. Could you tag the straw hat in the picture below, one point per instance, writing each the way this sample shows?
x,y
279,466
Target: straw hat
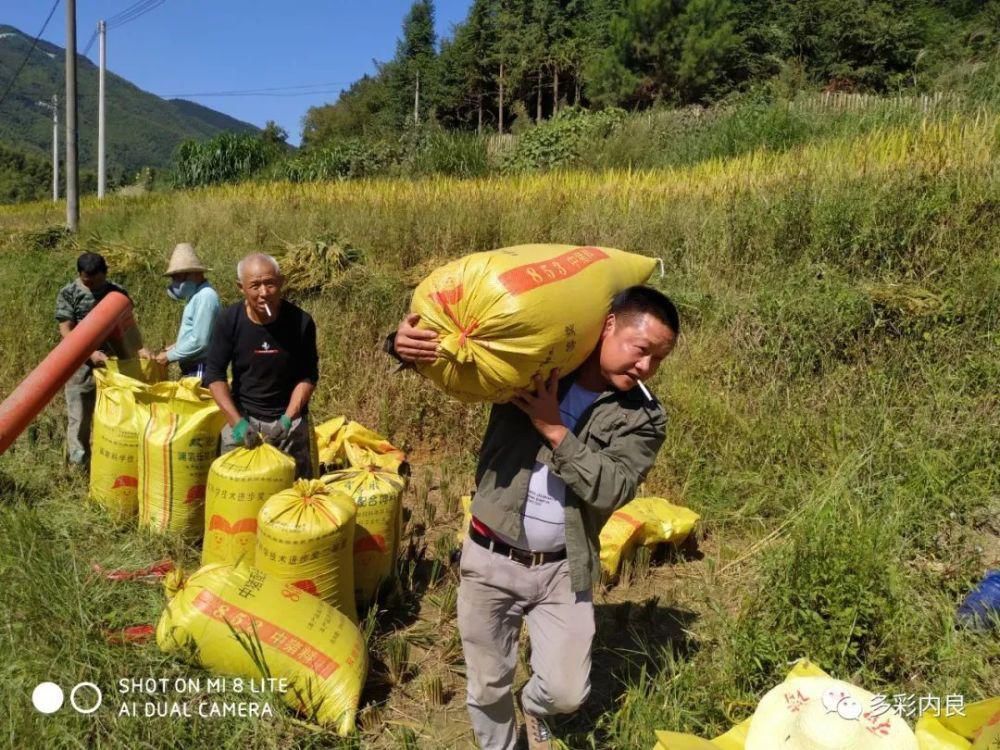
x,y
184,260
820,713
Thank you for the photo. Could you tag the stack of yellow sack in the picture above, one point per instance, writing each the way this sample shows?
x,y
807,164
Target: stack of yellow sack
x,y
305,536
239,483
341,443
237,620
377,494
507,315
179,443
645,521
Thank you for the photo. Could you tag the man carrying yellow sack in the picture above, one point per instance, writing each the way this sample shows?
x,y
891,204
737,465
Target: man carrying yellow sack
x,y
553,466
201,307
271,344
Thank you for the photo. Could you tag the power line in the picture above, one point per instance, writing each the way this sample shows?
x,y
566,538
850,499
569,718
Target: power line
x,y
137,6
254,93
90,43
25,60
313,88
133,12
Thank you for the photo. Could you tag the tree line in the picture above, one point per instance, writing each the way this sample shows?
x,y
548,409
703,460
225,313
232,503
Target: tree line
x,y
518,61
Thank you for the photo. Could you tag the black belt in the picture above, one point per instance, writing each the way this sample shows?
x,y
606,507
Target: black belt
x,y
527,558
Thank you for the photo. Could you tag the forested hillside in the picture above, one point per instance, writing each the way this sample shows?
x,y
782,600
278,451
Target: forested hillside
x,y
515,61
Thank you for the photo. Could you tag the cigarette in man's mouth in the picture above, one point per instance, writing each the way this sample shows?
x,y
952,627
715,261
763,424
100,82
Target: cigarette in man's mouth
x,y
645,390
268,311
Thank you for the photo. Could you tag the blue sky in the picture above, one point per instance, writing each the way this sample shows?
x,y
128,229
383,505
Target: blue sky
x,y
201,46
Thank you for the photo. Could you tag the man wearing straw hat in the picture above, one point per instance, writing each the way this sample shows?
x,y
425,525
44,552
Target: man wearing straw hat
x,y
201,308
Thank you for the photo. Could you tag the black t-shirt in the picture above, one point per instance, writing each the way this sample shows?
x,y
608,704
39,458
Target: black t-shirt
x,y
268,360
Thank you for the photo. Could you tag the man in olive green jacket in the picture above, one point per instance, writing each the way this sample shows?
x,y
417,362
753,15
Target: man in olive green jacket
x,y
73,303
554,464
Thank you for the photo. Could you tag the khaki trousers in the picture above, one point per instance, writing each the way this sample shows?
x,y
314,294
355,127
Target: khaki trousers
x,y
494,596
81,394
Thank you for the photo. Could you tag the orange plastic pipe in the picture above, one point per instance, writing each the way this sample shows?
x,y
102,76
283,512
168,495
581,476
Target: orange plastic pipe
x,y
110,318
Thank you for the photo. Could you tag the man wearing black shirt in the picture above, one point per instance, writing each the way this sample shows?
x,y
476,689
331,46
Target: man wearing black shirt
x,y
271,345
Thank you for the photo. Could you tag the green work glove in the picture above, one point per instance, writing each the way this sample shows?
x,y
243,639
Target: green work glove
x,y
243,434
281,430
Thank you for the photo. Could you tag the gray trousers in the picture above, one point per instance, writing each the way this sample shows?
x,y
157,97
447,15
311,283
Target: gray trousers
x,y
297,444
494,596
81,394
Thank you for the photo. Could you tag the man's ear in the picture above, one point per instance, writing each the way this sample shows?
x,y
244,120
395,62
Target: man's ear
x,y
609,325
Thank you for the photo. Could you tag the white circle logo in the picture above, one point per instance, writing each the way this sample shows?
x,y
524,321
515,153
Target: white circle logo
x,y
47,697
86,709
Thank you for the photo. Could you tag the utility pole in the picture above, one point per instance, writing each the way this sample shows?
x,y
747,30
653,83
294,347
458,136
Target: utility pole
x,y
102,30
416,100
54,106
72,169
55,148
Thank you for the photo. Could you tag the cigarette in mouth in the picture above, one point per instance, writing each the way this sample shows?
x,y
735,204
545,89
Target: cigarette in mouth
x,y
268,310
645,390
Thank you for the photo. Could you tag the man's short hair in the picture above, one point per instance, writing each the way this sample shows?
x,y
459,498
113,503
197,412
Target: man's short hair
x,y
262,257
644,300
91,263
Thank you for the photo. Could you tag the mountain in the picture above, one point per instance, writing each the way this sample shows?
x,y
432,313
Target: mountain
x,y
143,129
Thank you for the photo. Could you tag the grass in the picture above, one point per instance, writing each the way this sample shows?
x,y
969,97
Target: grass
x,y
834,420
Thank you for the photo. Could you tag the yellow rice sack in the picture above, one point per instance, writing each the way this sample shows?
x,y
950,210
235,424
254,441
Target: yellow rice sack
x,y
979,726
298,637
239,483
147,371
506,315
969,732
329,442
118,422
644,521
378,528
342,443
736,737
305,536
179,443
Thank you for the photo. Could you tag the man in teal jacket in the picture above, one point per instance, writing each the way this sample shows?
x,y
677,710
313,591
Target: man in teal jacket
x,y
553,466
201,308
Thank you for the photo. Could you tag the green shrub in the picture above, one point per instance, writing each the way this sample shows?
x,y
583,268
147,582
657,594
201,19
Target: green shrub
x,y
345,159
559,141
430,151
831,592
229,157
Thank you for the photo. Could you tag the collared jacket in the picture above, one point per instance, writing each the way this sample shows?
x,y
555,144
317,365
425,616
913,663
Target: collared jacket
x,y
602,461
197,324
75,301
